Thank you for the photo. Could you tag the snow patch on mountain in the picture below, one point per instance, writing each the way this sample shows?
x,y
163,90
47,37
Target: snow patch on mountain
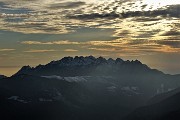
x,y
79,78
132,90
17,98
69,79
75,79
53,77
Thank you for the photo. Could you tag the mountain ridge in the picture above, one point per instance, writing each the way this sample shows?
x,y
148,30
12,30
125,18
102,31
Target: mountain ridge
x,y
86,65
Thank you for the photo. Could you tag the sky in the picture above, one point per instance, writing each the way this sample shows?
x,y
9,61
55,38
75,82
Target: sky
x,y
36,32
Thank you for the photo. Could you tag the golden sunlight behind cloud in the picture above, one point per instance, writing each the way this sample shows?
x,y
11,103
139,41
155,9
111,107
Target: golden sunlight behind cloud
x,y
39,51
161,3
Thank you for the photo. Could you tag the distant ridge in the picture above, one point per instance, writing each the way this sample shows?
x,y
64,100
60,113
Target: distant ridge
x,y
89,65
168,108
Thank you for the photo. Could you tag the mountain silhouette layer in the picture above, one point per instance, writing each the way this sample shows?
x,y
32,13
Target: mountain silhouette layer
x,y
83,88
83,66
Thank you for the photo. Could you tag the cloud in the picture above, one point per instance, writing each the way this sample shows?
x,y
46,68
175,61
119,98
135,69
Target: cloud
x,y
172,43
146,19
137,46
66,5
141,46
18,16
63,42
39,51
140,26
170,11
104,49
70,50
6,50
171,33
61,17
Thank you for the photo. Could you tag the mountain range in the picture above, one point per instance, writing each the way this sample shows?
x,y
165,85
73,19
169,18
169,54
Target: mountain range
x,y
87,88
83,66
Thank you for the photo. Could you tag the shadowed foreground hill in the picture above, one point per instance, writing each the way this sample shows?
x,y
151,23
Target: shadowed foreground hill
x,y
33,98
166,109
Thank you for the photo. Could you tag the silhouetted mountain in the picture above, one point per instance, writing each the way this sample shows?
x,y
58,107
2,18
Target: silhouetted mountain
x,y
84,66
83,88
127,73
166,109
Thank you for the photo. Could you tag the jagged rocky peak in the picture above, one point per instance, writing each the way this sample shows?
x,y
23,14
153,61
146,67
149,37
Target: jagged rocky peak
x,y
81,60
111,61
101,60
80,65
66,59
26,67
39,66
90,57
119,60
136,62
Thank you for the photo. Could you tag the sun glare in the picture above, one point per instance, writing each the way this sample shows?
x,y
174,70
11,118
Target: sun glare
x,y
161,3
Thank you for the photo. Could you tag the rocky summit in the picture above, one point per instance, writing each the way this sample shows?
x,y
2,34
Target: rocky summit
x,y
81,66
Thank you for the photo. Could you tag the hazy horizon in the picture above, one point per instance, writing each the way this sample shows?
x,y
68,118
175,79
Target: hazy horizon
x,y
6,69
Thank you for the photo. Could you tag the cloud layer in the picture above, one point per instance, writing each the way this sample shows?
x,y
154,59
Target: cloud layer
x,y
131,20
60,17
